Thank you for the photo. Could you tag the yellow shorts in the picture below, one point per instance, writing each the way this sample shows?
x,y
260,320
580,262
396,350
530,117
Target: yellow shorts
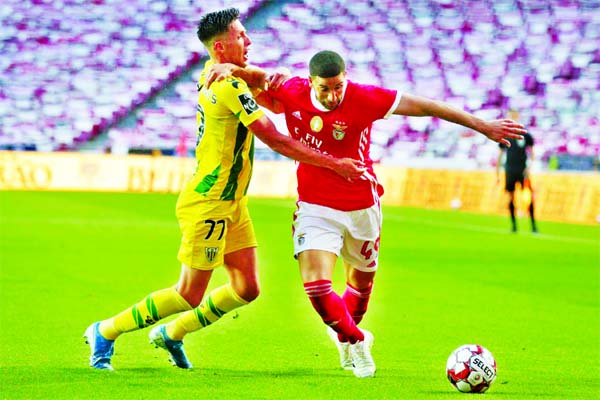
x,y
212,228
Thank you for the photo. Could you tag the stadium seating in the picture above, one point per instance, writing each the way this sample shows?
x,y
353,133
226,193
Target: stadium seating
x,y
71,69
541,57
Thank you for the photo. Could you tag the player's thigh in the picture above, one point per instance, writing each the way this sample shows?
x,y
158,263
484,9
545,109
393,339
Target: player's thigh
x,y
358,279
316,265
241,266
361,243
240,230
204,227
317,228
240,254
192,284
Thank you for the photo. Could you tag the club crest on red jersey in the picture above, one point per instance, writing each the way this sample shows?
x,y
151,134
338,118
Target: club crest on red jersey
x,y
339,131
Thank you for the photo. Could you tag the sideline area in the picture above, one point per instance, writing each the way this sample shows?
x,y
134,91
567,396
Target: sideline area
x,y
564,197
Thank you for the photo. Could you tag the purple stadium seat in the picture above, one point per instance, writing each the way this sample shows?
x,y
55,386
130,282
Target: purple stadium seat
x,y
539,56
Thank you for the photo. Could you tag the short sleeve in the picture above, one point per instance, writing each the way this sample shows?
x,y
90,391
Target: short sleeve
x,y
382,102
234,94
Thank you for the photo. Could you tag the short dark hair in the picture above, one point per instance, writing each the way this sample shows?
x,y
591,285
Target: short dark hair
x,y
215,23
326,64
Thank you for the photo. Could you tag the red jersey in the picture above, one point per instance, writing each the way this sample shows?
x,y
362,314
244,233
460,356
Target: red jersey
x,y
342,132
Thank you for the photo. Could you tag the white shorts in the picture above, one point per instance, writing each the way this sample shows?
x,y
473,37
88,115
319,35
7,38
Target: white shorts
x,y
352,234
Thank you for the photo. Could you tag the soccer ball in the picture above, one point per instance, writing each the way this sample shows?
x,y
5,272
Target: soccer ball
x,y
471,368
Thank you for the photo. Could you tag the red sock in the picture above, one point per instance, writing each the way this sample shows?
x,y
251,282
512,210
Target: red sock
x,y
332,309
357,301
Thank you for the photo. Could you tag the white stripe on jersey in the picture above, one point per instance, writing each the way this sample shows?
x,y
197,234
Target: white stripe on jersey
x,y
394,106
364,139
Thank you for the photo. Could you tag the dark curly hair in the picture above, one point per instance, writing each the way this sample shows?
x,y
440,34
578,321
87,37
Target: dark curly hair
x,y
326,64
215,23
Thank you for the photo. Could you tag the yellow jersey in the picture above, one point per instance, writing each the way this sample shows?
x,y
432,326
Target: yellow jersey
x,y
224,145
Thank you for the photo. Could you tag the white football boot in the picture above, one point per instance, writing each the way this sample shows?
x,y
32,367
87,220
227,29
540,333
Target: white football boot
x,y
343,349
364,366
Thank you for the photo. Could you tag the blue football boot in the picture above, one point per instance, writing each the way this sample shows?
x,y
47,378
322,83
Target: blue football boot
x,y
102,349
159,338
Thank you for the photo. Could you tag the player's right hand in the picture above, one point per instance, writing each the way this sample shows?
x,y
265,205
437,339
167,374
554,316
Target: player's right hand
x,y
349,168
501,130
278,78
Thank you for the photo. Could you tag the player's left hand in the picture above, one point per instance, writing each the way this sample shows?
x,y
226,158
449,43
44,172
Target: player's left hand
x,y
500,130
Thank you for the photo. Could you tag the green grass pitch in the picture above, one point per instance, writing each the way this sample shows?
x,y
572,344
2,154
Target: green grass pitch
x,y
445,279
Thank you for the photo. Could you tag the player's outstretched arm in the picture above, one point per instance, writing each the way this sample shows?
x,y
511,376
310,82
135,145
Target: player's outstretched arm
x,y
265,130
254,77
497,130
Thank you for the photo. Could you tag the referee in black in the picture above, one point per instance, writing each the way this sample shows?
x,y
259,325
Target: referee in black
x,y
516,171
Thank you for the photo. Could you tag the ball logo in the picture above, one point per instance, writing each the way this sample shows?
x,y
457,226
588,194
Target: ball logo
x,y
316,124
480,364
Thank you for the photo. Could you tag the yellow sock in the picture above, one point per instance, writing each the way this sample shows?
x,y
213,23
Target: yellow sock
x,y
154,307
218,302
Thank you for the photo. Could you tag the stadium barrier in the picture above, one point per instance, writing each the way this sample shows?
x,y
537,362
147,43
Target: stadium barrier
x,y
567,197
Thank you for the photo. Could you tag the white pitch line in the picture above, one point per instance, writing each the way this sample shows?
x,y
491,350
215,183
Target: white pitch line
x,y
481,228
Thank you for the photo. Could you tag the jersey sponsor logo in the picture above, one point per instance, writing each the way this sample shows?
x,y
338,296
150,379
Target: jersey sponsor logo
x,y
211,253
316,123
297,115
248,103
339,131
308,139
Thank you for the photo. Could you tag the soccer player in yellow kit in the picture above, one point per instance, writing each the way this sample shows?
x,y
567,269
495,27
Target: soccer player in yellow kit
x,y
212,208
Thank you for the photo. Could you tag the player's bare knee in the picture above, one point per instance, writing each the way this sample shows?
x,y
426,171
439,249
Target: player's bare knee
x,y
250,292
193,297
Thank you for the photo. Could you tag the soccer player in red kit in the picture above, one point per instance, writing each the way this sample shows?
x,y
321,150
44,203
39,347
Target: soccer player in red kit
x,y
338,217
